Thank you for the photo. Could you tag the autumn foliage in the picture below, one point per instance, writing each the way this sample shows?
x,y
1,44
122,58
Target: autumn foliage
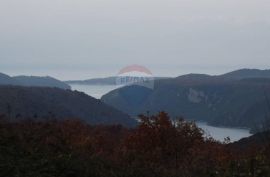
x,y
157,147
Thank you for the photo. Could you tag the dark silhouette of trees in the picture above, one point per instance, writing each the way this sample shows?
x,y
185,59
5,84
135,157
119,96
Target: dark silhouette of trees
x,y
157,147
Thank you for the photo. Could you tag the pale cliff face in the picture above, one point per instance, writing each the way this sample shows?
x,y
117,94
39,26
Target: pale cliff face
x,y
196,96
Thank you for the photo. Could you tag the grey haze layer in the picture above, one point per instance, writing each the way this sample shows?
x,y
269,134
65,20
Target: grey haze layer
x,y
70,39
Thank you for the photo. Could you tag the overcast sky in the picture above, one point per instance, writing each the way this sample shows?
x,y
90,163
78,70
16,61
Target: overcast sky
x,y
77,39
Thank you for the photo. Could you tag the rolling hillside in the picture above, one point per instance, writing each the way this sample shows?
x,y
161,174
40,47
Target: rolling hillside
x,y
42,103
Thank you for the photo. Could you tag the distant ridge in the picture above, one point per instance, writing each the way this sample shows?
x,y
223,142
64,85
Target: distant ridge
x,y
37,81
32,81
101,81
94,81
193,77
233,75
247,73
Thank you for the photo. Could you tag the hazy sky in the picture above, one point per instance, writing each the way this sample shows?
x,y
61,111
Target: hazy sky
x,y
76,39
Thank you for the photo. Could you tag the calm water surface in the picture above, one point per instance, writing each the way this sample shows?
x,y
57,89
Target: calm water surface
x,y
218,133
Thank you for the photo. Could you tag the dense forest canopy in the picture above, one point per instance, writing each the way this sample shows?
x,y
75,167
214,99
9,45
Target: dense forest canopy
x,y
156,147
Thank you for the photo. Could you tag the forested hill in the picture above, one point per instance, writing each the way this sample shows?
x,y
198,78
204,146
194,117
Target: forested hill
x,y
214,99
42,102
